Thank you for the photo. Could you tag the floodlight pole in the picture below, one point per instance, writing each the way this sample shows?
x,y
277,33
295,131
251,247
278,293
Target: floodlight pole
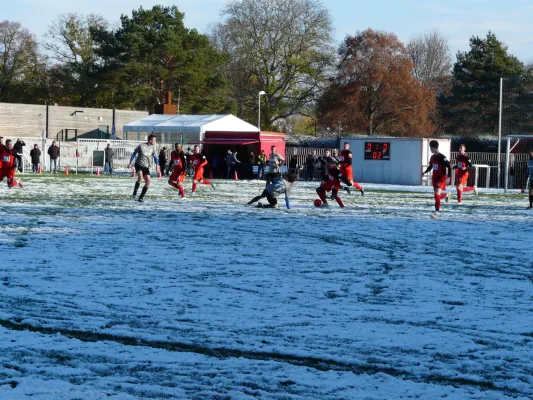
x,y
261,93
500,136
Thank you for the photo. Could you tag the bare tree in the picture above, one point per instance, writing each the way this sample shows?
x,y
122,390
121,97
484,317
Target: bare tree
x,y
18,55
280,46
70,40
432,61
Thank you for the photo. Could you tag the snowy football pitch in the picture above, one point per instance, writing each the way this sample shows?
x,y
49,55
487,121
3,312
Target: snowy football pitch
x,y
103,297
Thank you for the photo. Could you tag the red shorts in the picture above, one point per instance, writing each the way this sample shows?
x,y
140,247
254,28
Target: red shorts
x,y
9,174
330,185
177,176
439,183
347,172
461,177
199,174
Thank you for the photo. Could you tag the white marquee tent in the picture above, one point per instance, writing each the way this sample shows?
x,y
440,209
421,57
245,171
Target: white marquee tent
x,y
184,128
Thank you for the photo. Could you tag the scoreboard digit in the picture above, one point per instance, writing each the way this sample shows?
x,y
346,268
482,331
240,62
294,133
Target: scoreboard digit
x,y
377,151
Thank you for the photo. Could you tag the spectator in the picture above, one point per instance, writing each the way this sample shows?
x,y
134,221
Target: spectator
x,y
235,164
17,152
53,152
109,154
293,165
321,162
251,162
35,155
310,164
335,156
275,160
232,163
163,158
190,165
261,162
229,160
2,145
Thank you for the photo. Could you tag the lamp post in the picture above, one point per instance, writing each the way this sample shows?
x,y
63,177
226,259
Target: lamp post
x,y
261,93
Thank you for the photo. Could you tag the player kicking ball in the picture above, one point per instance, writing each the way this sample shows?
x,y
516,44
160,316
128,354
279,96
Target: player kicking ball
x,y
461,174
273,190
143,155
442,172
199,161
331,182
345,165
179,170
7,165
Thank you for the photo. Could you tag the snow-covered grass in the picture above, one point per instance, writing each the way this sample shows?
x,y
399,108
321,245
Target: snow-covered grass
x,y
104,297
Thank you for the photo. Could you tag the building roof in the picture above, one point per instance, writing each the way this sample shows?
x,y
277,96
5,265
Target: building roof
x,y
190,123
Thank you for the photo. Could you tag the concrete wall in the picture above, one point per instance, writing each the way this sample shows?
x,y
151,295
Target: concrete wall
x,y
28,120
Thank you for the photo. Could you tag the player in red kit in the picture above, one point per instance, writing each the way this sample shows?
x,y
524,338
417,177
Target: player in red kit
x,y
199,161
331,182
345,167
179,169
461,174
442,172
7,165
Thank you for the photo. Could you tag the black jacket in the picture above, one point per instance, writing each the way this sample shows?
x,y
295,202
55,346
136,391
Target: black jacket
x,y
17,147
53,152
311,161
163,157
35,155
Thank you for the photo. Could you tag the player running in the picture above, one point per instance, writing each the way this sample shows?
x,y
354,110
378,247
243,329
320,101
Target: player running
x,y
530,177
144,153
345,169
461,174
8,166
276,188
331,182
199,161
442,171
178,161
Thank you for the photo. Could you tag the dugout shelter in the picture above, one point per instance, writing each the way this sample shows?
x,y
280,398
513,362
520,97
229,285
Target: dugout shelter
x,y
394,161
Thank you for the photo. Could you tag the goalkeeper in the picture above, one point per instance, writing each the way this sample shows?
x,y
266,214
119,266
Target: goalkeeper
x,y
277,187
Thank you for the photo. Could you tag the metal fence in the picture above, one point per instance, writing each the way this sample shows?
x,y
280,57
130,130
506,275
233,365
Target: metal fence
x,y
300,155
85,155
517,170
88,154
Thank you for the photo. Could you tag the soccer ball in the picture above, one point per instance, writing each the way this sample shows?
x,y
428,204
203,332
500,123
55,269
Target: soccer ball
x,y
317,203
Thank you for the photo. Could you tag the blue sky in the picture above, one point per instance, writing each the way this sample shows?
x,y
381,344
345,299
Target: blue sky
x,y
455,19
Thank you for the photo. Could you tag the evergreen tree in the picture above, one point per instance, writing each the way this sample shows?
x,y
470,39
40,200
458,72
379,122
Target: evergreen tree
x,y
472,106
152,53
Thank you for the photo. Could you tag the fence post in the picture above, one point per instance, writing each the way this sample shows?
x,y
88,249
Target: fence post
x,y
500,134
507,164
